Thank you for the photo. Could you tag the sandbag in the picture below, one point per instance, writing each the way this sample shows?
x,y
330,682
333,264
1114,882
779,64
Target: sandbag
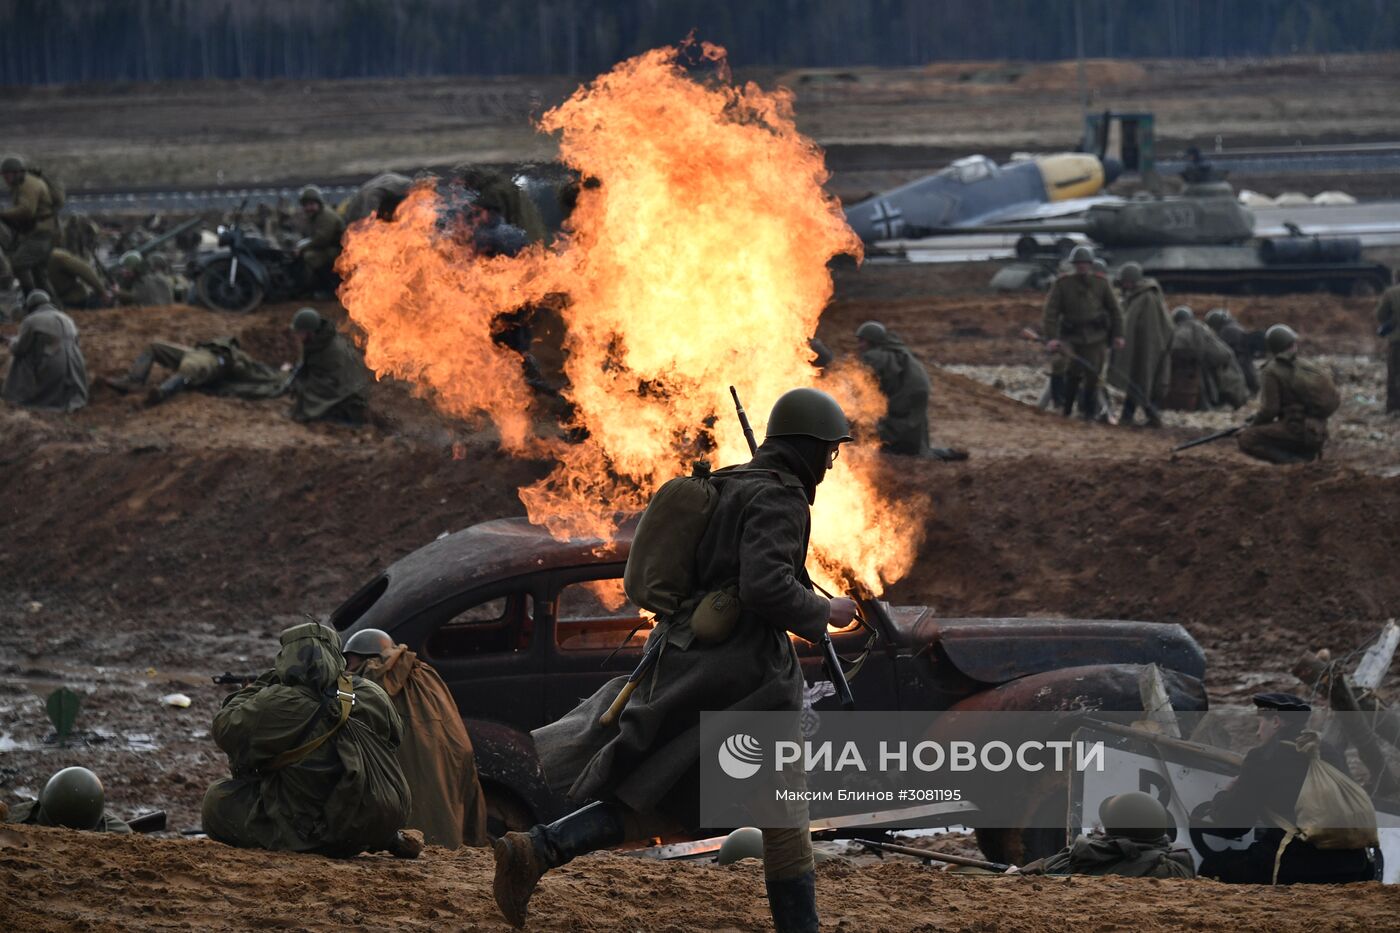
x,y
1332,812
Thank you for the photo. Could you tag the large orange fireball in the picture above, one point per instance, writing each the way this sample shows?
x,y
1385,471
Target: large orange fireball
x,y
697,261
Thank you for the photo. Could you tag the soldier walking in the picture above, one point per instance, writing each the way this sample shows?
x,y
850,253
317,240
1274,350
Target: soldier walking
x,y
1083,317
644,767
1142,369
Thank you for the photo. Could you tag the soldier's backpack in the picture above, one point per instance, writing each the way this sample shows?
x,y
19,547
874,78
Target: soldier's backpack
x,y
661,573
1332,812
1316,388
57,192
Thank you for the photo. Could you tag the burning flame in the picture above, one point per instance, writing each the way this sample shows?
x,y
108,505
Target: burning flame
x,y
697,261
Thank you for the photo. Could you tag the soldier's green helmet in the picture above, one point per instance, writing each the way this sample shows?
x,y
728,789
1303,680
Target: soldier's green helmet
x,y
1081,254
873,331
306,319
311,193
1280,338
1182,313
370,642
1130,273
12,163
131,260
36,298
808,413
1217,318
1135,815
744,842
73,797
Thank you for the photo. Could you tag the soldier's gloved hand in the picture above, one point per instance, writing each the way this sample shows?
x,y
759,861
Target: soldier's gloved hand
x,y
1052,345
1119,343
842,611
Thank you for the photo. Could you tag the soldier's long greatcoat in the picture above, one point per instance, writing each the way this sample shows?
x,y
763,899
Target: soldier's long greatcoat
x,y
904,383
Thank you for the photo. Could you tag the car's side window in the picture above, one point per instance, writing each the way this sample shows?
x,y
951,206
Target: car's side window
x,y
493,626
597,615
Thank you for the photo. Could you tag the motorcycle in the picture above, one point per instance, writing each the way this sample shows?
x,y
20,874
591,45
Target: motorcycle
x,y
245,271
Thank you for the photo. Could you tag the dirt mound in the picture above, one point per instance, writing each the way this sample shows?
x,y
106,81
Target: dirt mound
x,y
1099,73
171,884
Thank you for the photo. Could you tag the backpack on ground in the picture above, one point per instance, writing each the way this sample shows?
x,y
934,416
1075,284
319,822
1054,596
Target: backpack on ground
x,y
1332,812
1316,389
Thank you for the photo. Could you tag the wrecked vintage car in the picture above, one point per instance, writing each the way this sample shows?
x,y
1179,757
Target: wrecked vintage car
x,y
521,626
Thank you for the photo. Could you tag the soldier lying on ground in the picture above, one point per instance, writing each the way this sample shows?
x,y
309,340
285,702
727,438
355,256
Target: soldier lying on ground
x,y
72,798
331,382
311,747
1134,844
219,366
436,754
47,369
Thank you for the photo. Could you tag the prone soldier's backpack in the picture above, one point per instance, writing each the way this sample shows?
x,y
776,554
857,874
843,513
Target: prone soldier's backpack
x,y
58,193
1316,388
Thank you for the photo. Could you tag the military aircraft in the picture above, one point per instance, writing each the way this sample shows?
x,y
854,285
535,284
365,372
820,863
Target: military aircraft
x,y
975,190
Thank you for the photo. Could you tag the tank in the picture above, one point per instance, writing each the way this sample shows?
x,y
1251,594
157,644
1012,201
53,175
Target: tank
x,y
1200,240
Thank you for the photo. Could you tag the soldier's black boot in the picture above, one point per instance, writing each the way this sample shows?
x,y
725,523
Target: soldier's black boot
x,y
1057,391
1071,392
1089,403
1129,411
166,389
793,904
135,376
523,858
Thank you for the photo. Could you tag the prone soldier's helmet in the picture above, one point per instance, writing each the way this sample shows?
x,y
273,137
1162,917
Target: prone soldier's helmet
x,y
873,331
1217,318
808,413
12,163
306,319
131,260
1280,338
1182,313
36,298
370,642
311,193
73,798
1081,254
744,842
1130,273
1136,815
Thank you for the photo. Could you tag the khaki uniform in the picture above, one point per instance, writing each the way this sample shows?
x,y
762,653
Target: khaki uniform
x,y
76,283
1142,369
1388,312
219,365
147,289
324,232
47,370
1288,428
333,381
1082,312
436,753
904,383
1102,854
32,217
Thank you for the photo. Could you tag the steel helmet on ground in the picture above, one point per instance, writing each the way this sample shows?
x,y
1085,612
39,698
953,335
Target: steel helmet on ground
x,y
73,798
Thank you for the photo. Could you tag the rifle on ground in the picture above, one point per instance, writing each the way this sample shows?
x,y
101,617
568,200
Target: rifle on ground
x,y
234,680
153,822
830,659
927,854
1209,438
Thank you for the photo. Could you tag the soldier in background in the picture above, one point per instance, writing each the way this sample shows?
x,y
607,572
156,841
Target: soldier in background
x,y
141,286
47,369
331,382
219,366
1388,321
1134,844
1223,324
320,246
1295,402
34,219
1083,316
1142,369
77,283
73,798
1204,372
904,382
436,753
